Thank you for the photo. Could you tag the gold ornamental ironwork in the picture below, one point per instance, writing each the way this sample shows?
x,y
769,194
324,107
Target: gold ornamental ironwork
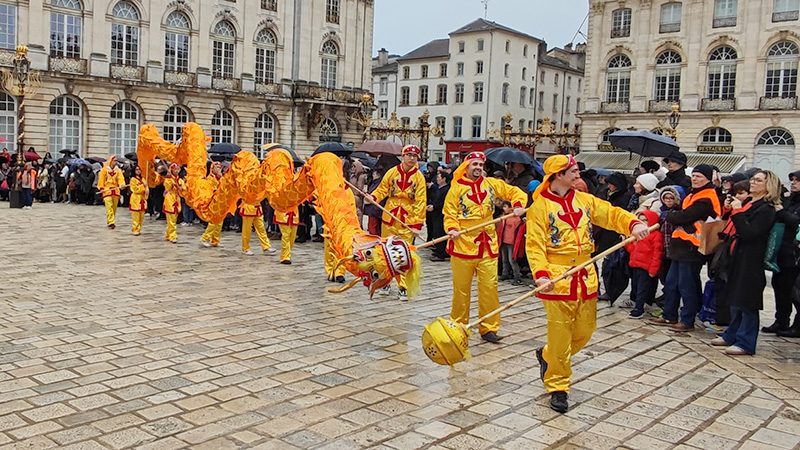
x,y
527,139
21,82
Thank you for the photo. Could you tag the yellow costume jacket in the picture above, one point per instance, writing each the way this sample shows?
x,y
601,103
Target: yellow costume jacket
x,y
173,191
110,179
559,236
406,196
138,198
470,203
291,218
248,210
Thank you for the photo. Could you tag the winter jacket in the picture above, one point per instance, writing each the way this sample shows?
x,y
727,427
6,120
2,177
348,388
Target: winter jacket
x,y
788,254
646,254
678,178
605,239
747,280
666,227
699,210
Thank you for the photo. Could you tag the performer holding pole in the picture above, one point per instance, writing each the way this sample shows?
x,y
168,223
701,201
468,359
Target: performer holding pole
x,y
211,236
404,188
288,223
253,217
173,191
109,182
469,203
138,203
559,237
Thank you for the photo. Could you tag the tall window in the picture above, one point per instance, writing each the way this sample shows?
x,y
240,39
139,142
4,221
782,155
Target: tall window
x,y
555,80
222,127
125,34
8,121
578,105
442,70
522,94
724,13
480,45
406,72
618,80
441,122
460,69
670,18
555,103
8,26
785,10
265,56
479,67
525,50
441,94
459,93
566,104
224,50
66,120
457,124
722,73
504,96
782,70
65,28
383,109
330,62
264,133
621,23
384,86
667,77
476,127
478,92
461,47
524,73
505,70
423,95
424,71
174,119
332,11
176,47
405,96
541,101
124,128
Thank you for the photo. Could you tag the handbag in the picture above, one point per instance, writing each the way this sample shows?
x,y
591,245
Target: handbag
x,y
773,244
4,185
721,261
708,310
709,236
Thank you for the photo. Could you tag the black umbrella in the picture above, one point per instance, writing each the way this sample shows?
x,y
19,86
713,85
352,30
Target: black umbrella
x,y
48,161
220,157
63,159
131,156
96,159
644,143
3,159
296,159
337,148
365,159
68,152
502,155
386,162
225,148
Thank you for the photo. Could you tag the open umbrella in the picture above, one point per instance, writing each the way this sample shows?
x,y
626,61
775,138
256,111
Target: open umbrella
x,y
365,159
3,159
337,148
63,159
131,156
225,148
220,157
644,143
78,161
296,159
48,161
502,155
68,152
31,155
380,147
96,159
386,162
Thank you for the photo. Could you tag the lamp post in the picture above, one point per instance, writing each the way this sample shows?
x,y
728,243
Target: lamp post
x,y
674,119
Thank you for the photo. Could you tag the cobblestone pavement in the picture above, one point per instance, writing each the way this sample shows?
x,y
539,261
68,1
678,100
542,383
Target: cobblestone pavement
x,y
113,341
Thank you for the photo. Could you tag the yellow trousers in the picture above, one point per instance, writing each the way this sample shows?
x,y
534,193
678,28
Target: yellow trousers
x,y
397,229
288,235
212,233
330,260
248,223
111,203
137,217
172,229
488,300
570,325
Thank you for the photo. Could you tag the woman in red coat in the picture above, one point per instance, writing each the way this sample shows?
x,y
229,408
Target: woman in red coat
x,y
644,262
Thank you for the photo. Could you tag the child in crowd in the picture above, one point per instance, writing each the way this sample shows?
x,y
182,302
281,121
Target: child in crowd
x,y
508,230
645,261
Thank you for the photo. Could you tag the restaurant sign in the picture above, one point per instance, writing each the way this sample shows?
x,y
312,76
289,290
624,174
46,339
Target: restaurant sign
x,y
715,148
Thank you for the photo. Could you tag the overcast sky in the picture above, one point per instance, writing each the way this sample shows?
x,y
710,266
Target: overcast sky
x,y
403,25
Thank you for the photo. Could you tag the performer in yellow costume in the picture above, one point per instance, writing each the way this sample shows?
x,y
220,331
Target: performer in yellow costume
x,y
287,222
138,203
211,236
173,191
253,217
330,255
404,188
109,181
469,202
559,236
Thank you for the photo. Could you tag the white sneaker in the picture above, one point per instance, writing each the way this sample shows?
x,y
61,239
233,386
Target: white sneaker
x,y
270,251
385,290
220,245
719,342
402,295
174,241
627,303
206,244
184,224
248,253
735,350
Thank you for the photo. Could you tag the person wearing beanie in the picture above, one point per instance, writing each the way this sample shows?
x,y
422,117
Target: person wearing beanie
x,y
649,166
683,279
646,194
618,196
676,165
661,173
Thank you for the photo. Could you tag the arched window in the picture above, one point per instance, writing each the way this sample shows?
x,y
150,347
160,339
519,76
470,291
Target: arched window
x,y
125,34
670,18
66,123
330,60
224,50
618,80
605,140
329,131
176,46
264,133
775,151
782,70
524,73
266,47
525,50
66,24
716,139
222,127
667,77
505,70
124,128
775,136
8,121
422,98
721,73
174,119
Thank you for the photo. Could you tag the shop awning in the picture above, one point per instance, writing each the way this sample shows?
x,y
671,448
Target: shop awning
x,y
626,162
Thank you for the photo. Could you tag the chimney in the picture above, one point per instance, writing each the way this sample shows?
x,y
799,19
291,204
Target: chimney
x,y
383,57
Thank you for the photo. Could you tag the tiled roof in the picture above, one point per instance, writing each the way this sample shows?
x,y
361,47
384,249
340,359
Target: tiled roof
x,y
388,68
626,162
433,49
486,25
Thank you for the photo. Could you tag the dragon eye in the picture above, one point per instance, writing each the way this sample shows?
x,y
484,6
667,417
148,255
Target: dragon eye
x,y
368,253
375,274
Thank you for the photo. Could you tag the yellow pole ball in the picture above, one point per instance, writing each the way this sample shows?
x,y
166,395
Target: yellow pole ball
x,y
446,342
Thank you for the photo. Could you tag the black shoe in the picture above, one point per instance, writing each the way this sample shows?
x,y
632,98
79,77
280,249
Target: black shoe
x,y
437,258
504,277
558,401
340,279
775,328
286,261
517,283
603,297
317,238
793,332
491,337
542,363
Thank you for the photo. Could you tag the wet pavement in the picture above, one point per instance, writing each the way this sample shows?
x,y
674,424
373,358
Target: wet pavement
x,y
113,341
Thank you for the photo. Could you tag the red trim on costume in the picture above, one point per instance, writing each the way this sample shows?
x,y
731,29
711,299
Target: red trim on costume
x,y
477,194
292,219
484,246
576,288
258,212
405,177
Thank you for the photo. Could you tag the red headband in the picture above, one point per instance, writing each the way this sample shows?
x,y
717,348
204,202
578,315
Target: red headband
x,y
411,149
476,155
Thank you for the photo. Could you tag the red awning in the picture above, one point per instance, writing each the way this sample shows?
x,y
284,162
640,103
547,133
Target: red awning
x,y
453,148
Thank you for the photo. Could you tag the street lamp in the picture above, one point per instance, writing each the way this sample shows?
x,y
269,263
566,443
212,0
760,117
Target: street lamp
x,y
674,119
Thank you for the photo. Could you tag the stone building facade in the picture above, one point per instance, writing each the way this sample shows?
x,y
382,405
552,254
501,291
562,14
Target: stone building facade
x,y
730,65
248,71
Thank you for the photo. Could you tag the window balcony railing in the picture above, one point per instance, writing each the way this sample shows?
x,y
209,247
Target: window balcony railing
x,y
723,22
784,16
268,88
269,5
615,107
227,84
179,78
332,18
669,27
68,65
718,104
778,103
661,105
620,32
7,57
308,91
126,72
